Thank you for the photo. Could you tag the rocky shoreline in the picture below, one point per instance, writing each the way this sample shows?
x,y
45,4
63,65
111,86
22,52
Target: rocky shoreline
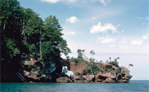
x,y
48,72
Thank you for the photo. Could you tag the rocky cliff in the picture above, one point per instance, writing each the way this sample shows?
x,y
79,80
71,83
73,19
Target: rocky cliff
x,y
38,71
108,74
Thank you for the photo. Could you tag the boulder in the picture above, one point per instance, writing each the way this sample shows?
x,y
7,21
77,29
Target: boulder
x,y
97,75
128,76
34,72
104,76
75,77
123,81
33,77
98,80
124,78
63,80
86,81
88,77
112,75
79,81
114,67
26,73
104,65
109,80
42,76
124,70
31,62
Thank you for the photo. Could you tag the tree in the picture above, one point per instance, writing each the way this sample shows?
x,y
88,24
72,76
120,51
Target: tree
x,y
21,32
11,38
32,31
130,65
52,42
110,59
63,48
92,52
80,53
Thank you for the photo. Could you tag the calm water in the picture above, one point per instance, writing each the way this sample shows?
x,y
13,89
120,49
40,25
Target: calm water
x,y
133,86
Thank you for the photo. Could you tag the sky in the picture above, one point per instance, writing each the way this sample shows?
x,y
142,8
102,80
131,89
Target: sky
x,y
111,28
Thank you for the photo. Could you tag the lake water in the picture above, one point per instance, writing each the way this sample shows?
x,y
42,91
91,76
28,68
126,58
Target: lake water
x,y
133,86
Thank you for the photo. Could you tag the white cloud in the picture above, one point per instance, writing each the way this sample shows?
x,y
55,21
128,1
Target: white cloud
x,y
72,19
93,18
136,42
105,2
55,1
72,0
105,40
145,36
51,1
103,28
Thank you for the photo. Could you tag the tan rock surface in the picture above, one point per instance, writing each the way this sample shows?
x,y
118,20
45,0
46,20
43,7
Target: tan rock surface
x,y
63,80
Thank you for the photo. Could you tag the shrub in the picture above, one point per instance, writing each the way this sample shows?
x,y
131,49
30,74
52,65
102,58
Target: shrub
x,y
115,63
78,74
92,68
108,69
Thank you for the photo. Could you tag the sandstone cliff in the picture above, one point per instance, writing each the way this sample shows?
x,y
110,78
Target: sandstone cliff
x,y
39,71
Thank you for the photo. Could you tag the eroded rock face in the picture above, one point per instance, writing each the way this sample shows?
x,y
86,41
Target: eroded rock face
x,y
116,74
124,76
77,68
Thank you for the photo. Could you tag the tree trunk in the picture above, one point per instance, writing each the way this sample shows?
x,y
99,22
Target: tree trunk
x,y
5,23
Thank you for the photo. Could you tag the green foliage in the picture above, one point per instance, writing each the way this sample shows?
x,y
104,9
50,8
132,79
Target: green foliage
x,y
115,63
108,69
130,64
78,74
12,46
101,61
92,52
33,69
80,54
79,59
92,68
52,42
39,71
118,70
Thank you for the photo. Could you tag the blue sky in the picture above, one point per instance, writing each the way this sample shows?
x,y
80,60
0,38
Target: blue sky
x,y
112,28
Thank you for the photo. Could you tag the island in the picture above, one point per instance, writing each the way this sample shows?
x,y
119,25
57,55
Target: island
x,y
72,72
